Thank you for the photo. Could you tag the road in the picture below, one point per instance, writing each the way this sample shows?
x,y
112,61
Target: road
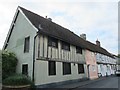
x,y
109,82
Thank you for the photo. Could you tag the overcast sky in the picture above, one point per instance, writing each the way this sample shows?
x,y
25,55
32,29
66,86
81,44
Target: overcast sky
x,y
98,19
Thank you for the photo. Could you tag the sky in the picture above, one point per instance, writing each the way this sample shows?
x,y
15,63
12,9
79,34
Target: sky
x,y
98,19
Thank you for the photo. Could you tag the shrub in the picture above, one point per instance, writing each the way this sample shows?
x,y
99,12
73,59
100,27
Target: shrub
x,y
18,80
9,63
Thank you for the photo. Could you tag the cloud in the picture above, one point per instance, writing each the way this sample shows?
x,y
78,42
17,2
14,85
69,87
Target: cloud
x,y
96,19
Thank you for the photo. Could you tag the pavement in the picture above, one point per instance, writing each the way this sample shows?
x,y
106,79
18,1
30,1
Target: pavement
x,y
81,83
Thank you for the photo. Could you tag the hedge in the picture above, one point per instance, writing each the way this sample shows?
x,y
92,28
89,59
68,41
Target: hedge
x,y
17,80
9,63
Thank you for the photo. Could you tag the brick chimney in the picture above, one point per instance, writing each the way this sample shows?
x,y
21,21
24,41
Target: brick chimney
x,y
83,36
50,19
98,43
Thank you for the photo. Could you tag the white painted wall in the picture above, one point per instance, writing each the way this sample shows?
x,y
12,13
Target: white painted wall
x,y
105,64
21,30
42,77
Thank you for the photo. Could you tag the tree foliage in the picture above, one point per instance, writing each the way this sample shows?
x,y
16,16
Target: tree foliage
x,y
9,63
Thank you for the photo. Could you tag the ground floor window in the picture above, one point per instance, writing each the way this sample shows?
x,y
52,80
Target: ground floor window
x,y
80,68
25,69
51,67
66,68
93,68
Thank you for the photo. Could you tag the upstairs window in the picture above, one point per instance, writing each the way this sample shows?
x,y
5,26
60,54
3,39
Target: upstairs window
x,y
25,69
27,44
80,68
52,42
65,46
92,54
79,50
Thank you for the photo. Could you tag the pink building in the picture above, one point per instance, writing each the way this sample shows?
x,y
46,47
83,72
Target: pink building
x,y
90,58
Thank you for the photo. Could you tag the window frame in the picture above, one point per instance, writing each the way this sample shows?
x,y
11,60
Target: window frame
x,y
92,53
52,42
79,50
51,66
93,68
65,46
25,71
81,70
26,42
65,68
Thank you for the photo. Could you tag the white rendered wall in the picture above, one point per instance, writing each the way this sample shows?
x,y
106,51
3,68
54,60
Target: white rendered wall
x,y
42,77
21,30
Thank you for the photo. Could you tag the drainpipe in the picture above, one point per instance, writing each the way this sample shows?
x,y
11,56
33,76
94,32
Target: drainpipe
x,y
34,56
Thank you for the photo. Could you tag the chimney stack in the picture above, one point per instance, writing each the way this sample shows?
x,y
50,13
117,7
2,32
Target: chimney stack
x,y
83,36
98,43
48,18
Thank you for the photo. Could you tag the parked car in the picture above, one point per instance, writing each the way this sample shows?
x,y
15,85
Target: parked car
x,y
118,72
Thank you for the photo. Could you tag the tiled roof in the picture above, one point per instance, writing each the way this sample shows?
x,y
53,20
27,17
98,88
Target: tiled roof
x,y
52,29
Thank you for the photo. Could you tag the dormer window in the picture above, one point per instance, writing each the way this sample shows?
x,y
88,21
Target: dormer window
x,y
65,46
79,50
52,42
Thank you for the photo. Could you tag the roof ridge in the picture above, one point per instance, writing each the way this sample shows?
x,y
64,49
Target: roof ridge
x,y
52,21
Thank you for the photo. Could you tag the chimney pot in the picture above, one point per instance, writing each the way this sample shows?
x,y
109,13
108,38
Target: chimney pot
x,y
98,43
49,19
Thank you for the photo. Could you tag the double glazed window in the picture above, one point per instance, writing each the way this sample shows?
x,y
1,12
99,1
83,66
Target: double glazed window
x,y
79,50
65,46
52,42
80,68
66,68
27,44
52,67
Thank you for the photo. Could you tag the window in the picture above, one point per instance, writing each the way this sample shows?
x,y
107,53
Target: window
x,y
26,44
79,50
52,42
92,54
80,68
52,67
25,69
66,68
65,46
93,68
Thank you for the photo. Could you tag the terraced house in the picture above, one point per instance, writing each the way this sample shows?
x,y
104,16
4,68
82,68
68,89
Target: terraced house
x,y
48,52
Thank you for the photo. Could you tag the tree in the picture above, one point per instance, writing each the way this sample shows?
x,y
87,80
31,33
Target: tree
x,y
9,63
